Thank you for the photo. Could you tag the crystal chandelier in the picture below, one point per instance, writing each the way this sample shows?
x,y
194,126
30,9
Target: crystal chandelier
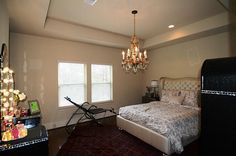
x,y
134,60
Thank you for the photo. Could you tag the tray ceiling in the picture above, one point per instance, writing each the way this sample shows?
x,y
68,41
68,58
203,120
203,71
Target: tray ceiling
x,y
42,17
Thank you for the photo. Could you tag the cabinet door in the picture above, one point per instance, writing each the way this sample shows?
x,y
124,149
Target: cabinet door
x,y
218,124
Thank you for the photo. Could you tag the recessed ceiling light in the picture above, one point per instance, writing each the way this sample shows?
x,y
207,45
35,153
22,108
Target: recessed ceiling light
x,y
171,26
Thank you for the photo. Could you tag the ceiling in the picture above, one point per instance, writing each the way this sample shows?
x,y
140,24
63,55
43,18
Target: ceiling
x,y
108,22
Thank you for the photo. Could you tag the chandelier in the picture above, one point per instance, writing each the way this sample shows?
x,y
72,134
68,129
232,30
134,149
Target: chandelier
x,y
134,60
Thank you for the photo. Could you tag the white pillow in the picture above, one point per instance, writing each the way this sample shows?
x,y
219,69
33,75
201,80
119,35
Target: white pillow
x,y
191,97
165,94
177,100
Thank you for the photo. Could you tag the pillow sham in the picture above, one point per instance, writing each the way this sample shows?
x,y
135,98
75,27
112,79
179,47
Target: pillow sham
x,y
191,97
171,95
165,95
177,100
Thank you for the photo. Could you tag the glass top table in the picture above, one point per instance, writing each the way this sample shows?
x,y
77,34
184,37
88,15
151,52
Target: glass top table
x,y
35,135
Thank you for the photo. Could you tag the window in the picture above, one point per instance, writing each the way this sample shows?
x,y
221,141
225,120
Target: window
x,y
101,82
71,83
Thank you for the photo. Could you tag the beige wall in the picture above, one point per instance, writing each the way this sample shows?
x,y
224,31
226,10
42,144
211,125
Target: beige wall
x,y
4,24
34,60
185,59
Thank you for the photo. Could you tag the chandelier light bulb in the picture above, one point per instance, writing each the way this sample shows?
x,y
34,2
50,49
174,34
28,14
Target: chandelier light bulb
x,y
123,55
136,49
145,54
140,55
128,53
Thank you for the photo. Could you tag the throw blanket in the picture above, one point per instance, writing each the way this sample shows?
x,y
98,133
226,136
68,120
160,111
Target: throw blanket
x,y
173,121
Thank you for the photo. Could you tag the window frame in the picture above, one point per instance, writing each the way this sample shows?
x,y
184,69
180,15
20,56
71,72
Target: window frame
x,y
112,83
85,83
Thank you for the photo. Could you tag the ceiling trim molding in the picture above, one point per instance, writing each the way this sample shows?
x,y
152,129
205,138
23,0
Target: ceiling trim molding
x,y
69,31
49,3
85,26
212,25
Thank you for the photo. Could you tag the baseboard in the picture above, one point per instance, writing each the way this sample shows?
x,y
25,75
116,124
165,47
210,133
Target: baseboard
x,y
58,124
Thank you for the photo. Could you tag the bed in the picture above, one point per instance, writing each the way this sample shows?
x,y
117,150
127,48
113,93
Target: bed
x,y
169,124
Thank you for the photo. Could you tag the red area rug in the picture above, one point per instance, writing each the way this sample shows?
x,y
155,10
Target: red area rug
x,y
94,140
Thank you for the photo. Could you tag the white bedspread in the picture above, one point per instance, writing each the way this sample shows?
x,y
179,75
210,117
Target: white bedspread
x,y
173,121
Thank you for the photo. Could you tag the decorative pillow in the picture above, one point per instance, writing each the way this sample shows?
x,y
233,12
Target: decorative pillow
x,y
177,100
191,97
165,94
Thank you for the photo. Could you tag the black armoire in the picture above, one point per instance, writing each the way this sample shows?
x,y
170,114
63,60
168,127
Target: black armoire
x,y
218,103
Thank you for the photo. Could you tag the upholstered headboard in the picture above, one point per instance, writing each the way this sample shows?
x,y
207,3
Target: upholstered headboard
x,y
186,83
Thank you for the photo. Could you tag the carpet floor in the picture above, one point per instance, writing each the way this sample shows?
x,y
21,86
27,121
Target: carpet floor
x,y
94,140
89,139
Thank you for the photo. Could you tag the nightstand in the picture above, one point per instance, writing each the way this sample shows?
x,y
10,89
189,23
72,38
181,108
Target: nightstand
x,y
146,99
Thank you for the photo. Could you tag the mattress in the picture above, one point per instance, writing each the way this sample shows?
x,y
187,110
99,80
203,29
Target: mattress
x,y
176,122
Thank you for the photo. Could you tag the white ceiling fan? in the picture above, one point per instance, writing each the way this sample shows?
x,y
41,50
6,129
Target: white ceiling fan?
x,y
90,2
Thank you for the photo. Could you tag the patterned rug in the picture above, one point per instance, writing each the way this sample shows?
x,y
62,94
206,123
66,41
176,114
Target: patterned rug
x,y
94,140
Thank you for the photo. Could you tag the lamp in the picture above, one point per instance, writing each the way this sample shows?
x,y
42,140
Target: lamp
x,y
154,85
134,60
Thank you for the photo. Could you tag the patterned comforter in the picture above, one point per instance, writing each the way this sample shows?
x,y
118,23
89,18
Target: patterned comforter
x,y
173,121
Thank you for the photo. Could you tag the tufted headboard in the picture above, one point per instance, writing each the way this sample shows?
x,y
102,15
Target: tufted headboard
x,y
186,83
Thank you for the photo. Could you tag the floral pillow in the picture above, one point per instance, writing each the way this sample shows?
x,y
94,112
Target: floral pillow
x,y
191,97
177,100
170,95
